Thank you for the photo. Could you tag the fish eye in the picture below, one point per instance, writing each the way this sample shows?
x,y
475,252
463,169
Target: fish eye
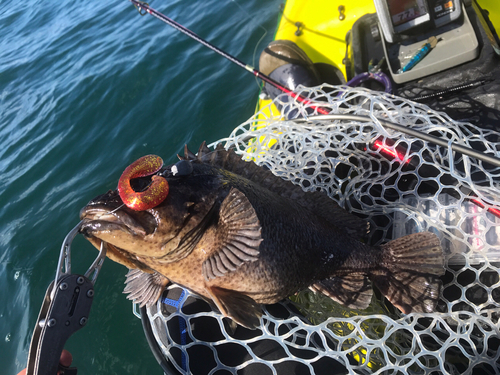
x,y
182,168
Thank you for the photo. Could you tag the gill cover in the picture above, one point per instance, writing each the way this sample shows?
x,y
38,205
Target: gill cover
x,y
155,193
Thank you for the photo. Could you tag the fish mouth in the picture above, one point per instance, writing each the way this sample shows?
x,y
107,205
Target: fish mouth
x,y
107,213
106,219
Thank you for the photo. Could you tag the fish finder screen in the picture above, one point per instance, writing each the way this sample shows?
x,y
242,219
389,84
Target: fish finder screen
x,y
403,11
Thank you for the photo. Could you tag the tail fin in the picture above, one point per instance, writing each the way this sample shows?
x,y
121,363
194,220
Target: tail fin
x,y
410,270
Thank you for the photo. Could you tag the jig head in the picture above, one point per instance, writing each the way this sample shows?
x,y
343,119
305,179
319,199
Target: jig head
x,y
156,192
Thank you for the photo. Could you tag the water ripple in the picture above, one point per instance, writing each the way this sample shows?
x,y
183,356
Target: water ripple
x,y
86,88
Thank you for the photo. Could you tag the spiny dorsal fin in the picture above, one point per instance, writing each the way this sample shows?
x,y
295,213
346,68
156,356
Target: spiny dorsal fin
x,y
144,288
188,155
317,202
203,152
238,236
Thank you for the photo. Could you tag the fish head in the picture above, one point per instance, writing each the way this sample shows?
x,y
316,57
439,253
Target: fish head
x,y
162,233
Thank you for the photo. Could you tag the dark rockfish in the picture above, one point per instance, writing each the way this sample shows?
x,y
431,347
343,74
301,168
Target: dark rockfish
x,y
236,234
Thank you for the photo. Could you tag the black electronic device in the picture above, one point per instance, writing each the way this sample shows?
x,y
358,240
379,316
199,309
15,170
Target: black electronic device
x,y
397,17
423,37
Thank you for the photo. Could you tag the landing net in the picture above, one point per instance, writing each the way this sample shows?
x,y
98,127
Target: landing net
x,y
401,185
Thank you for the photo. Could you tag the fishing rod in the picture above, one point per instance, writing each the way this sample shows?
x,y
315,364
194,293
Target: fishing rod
x,y
144,8
147,9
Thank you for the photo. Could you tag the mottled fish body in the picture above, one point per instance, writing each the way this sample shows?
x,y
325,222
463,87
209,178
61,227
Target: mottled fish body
x,y
239,236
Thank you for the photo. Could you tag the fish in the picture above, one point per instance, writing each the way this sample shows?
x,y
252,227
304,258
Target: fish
x,y
240,237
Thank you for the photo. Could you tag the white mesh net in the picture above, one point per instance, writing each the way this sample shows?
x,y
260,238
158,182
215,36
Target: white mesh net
x,y
401,184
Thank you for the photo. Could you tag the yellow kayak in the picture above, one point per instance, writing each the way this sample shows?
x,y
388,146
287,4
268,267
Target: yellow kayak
x,y
345,40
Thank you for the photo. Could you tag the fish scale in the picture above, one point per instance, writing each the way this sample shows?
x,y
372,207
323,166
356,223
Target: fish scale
x,y
239,236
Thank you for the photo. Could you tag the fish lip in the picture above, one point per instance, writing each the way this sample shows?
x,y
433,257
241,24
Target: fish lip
x,y
99,217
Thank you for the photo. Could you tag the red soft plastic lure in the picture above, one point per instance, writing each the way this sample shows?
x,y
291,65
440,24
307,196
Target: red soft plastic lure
x,y
156,192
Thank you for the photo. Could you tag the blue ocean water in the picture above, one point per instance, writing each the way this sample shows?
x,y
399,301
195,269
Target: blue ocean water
x,y
85,89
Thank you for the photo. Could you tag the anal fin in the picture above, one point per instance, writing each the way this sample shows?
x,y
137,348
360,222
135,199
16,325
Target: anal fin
x,y
144,288
353,291
237,306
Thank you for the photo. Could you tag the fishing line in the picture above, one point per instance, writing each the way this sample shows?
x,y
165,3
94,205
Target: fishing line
x,y
249,17
145,8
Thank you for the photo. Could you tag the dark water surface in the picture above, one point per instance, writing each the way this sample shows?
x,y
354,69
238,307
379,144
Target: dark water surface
x,y
85,89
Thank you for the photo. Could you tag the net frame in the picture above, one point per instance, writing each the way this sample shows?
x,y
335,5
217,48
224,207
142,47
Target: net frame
x,y
406,185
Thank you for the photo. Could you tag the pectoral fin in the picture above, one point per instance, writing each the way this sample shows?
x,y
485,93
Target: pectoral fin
x,y
353,291
239,307
238,236
144,288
